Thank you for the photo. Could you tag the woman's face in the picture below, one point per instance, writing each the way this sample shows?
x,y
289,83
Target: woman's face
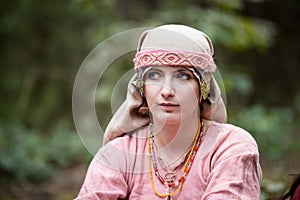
x,y
172,93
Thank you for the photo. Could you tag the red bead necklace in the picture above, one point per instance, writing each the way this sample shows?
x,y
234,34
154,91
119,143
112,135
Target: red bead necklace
x,y
169,180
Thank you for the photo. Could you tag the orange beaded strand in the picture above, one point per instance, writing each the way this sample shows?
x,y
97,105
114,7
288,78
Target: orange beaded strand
x,y
187,166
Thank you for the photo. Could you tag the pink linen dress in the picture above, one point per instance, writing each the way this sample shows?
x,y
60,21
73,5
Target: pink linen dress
x,y
226,167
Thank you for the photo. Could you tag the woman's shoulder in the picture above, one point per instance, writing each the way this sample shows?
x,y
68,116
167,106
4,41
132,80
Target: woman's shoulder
x,y
121,152
227,142
130,142
229,135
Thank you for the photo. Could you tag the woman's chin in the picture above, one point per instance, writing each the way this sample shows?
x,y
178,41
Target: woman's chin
x,y
168,118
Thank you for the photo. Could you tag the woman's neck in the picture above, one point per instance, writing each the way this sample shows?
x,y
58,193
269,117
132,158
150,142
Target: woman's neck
x,y
174,140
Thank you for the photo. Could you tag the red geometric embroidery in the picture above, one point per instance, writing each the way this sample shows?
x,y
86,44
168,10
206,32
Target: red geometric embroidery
x,y
174,58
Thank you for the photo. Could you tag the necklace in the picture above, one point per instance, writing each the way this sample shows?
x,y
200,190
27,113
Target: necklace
x,y
169,180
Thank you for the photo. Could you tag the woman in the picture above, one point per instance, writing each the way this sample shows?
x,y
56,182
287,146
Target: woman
x,y
169,139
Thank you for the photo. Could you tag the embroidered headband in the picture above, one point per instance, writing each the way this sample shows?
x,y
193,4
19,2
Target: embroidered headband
x,y
197,60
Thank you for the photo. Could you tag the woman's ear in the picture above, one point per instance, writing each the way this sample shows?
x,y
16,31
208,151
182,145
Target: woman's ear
x,y
144,109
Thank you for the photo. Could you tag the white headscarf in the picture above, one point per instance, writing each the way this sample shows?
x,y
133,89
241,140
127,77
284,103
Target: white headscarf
x,y
172,45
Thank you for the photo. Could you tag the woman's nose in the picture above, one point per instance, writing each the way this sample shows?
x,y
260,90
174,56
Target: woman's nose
x,y
167,91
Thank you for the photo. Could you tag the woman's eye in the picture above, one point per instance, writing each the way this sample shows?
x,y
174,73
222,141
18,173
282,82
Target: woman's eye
x,y
153,75
183,76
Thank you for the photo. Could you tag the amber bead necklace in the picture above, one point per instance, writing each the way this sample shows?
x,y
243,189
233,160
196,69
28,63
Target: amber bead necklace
x,y
169,180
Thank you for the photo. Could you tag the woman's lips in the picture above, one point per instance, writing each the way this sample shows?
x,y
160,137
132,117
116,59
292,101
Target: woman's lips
x,y
168,107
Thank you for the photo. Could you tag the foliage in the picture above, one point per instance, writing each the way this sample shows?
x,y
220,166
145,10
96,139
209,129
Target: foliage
x,y
234,31
28,155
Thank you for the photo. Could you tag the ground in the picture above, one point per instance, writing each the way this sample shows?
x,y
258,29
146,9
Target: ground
x,y
64,186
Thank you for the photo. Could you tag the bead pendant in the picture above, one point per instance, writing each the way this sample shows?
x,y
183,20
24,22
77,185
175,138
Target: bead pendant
x,y
170,177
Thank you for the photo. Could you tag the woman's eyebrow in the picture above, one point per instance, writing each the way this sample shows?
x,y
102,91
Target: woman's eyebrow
x,y
182,70
155,69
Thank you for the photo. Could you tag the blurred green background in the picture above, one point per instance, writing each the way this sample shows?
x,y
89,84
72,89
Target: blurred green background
x,y
43,43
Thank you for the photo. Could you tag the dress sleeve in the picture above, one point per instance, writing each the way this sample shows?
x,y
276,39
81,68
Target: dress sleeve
x,y
235,172
102,182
